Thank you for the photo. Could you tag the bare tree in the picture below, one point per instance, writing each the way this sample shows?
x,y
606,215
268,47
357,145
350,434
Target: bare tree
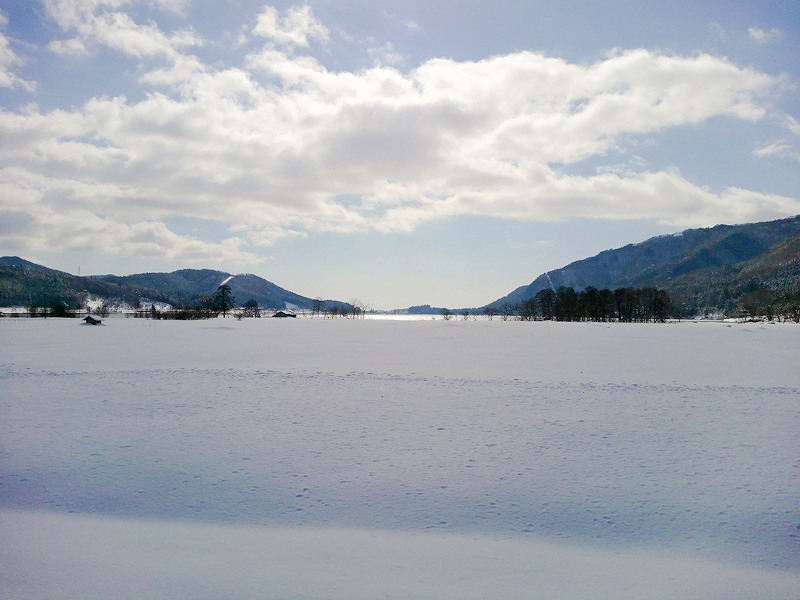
x,y
251,309
357,308
317,305
527,310
506,310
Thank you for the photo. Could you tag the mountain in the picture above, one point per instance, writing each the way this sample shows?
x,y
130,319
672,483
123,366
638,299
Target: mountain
x,y
187,286
727,268
23,283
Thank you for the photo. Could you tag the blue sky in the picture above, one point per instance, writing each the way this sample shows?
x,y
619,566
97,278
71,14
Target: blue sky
x,y
397,153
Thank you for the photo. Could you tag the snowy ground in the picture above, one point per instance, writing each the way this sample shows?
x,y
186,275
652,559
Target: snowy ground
x,y
316,458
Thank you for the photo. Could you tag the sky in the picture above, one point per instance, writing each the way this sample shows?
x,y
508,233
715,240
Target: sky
x,y
395,153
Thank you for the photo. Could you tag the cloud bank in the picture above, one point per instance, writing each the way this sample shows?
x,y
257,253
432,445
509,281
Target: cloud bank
x,y
280,145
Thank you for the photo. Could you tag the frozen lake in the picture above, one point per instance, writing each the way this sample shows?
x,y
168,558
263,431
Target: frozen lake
x,y
316,458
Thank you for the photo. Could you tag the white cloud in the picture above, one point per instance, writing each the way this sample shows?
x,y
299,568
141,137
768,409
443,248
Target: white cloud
x,y
762,36
269,146
413,26
385,55
717,30
177,7
70,47
791,124
71,14
408,24
297,27
68,218
8,60
664,196
101,22
780,148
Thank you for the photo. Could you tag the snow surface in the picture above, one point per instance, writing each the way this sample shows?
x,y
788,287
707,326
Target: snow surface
x,y
318,458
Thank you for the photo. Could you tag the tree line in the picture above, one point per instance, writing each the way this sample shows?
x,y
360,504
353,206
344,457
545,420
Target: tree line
x,y
222,302
770,304
625,305
206,307
354,309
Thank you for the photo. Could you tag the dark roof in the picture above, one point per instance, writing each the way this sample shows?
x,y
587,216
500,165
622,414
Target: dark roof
x,y
91,320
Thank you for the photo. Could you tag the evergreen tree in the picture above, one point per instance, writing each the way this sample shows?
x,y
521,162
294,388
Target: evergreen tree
x,y
546,299
223,300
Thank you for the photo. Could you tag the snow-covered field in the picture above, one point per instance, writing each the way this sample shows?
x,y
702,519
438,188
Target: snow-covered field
x,y
350,459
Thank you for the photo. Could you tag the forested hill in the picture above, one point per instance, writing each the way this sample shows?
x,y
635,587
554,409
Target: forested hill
x,y
23,283
186,286
728,268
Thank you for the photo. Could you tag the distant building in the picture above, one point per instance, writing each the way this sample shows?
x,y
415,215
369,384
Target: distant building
x,y
90,320
282,314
